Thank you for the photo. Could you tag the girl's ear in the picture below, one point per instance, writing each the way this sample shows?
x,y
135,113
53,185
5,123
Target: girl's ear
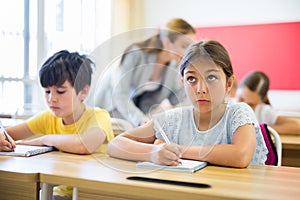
x,y
84,92
230,83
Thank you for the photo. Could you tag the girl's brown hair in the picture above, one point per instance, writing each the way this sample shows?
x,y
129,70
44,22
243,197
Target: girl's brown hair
x,y
208,49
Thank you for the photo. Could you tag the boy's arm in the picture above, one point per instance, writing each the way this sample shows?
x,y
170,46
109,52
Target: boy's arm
x,y
85,143
19,132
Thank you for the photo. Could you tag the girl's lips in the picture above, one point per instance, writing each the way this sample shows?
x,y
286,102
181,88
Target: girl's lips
x,y
202,101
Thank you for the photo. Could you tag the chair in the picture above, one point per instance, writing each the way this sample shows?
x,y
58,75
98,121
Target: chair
x,y
273,143
278,144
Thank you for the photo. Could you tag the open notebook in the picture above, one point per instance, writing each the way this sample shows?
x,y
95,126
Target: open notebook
x,y
28,150
185,166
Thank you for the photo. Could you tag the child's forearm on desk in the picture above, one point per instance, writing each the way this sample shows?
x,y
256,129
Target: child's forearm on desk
x,y
220,154
125,148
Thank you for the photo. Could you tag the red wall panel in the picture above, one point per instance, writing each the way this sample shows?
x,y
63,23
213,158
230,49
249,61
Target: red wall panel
x,y
271,48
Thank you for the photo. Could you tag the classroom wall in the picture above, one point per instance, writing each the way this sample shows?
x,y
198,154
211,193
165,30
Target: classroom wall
x,y
266,47
203,13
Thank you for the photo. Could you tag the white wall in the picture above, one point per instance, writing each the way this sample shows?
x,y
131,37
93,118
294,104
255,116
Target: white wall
x,y
286,101
220,12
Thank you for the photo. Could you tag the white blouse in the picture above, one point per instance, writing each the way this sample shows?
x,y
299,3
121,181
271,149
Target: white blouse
x,y
265,114
180,128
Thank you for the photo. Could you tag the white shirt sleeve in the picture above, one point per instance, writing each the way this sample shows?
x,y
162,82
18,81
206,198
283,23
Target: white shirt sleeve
x,y
265,114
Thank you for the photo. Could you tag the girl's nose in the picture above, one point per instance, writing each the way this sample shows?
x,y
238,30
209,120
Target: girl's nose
x,y
201,87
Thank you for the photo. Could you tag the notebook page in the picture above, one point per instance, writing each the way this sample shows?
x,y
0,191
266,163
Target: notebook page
x,y
28,150
185,166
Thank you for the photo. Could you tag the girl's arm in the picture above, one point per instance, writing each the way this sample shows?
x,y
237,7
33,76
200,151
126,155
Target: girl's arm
x,y
237,154
138,145
85,143
285,125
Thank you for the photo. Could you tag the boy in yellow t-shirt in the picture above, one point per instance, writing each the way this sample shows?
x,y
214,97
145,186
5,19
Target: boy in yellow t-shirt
x,y
68,124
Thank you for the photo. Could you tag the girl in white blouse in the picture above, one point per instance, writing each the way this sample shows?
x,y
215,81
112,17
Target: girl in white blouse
x,y
210,130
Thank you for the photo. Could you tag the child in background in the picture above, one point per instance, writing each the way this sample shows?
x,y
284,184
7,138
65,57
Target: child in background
x,y
212,129
68,124
253,90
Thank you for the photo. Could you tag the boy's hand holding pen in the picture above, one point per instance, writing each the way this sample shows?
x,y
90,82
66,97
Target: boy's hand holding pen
x,y
6,142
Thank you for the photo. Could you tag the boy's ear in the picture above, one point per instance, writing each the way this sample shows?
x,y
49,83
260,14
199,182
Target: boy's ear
x,y
84,92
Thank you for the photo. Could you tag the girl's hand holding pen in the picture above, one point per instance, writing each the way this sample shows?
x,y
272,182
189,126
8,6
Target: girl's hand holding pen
x,y
167,154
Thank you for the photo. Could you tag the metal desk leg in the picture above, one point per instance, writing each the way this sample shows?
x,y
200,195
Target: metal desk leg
x,y
75,193
47,191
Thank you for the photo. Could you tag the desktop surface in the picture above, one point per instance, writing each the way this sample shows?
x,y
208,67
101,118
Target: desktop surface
x,y
100,176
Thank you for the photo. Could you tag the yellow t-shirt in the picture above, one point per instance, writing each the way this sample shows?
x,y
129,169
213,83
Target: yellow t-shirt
x,y
46,123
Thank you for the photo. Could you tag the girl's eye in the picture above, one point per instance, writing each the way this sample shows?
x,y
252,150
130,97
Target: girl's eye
x,y
191,79
211,78
47,91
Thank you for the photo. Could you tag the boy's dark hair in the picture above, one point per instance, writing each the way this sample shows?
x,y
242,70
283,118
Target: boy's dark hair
x,y
65,66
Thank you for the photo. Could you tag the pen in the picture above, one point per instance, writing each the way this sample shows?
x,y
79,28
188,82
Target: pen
x,y
163,134
4,132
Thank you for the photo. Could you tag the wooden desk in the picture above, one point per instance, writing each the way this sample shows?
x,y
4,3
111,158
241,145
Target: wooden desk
x,y
101,177
18,180
290,150
98,176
